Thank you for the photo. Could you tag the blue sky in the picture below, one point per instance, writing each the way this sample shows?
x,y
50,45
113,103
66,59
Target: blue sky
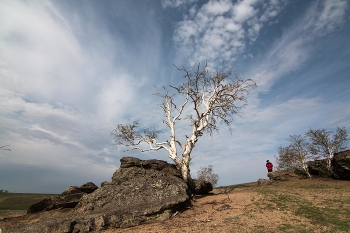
x,y
71,70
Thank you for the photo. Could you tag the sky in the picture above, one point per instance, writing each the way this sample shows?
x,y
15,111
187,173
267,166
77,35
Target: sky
x,y
70,71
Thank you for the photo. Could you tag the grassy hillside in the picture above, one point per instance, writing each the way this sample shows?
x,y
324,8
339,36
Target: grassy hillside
x,y
314,205
300,206
15,204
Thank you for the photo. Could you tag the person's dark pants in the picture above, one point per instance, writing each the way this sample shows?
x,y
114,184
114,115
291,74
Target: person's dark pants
x,y
269,170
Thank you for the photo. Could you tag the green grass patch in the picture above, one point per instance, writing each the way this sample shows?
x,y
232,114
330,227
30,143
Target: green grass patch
x,y
266,191
293,228
20,201
316,186
243,185
283,202
337,219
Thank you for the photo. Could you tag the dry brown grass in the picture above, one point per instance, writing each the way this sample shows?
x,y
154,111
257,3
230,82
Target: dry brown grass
x,y
293,206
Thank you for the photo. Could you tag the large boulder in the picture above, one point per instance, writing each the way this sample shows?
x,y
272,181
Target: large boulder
x,y
140,191
283,176
319,168
68,199
341,165
202,186
89,187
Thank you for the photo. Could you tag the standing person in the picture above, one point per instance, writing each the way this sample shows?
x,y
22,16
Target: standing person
x,y
269,166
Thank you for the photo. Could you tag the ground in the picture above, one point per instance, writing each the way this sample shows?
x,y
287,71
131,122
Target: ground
x,y
292,206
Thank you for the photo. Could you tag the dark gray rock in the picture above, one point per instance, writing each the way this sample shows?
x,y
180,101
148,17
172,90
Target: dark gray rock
x,y
262,181
53,225
319,168
141,191
341,165
68,199
104,183
126,162
89,187
202,186
283,176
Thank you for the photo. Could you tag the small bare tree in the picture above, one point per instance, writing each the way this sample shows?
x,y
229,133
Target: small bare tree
x,y
295,156
207,174
285,159
323,145
5,147
215,98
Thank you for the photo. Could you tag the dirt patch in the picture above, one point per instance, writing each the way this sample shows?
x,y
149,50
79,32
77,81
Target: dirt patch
x,y
293,206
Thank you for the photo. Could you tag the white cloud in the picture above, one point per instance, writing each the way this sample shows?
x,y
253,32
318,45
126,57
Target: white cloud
x,y
221,30
244,10
41,48
176,3
329,18
264,124
115,97
218,7
68,78
292,50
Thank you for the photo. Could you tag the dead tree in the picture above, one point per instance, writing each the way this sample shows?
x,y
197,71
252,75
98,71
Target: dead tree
x,y
214,97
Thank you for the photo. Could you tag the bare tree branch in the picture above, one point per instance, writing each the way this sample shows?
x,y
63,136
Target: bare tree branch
x,y
324,145
213,97
4,147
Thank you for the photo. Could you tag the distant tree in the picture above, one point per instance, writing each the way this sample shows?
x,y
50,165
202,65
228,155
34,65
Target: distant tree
x,y
4,147
285,160
324,145
206,173
211,98
295,155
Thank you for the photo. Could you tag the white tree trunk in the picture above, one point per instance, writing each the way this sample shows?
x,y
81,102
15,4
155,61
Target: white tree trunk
x,y
305,168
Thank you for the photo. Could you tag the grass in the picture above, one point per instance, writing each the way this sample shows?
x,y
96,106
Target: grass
x,y
14,204
291,228
312,207
338,219
243,185
315,186
322,211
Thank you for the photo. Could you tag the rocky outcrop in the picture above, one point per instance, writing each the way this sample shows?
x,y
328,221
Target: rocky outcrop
x,y
104,183
202,186
140,191
68,199
341,165
319,168
262,181
89,187
283,176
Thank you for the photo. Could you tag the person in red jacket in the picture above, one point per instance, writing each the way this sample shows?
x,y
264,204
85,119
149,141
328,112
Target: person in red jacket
x,y
269,166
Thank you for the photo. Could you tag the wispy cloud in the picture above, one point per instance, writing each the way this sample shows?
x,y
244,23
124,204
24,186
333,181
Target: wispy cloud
x,y
293,49
221,30
66,80
69,72
176,3
324,17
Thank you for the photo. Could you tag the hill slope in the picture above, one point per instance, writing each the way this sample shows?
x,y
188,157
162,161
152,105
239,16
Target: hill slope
x,y
293,206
